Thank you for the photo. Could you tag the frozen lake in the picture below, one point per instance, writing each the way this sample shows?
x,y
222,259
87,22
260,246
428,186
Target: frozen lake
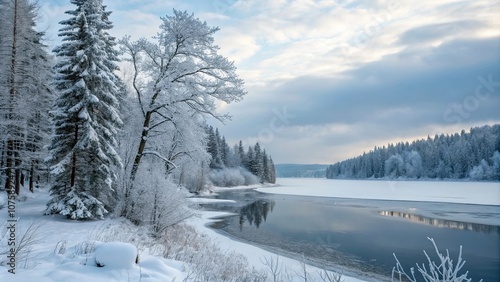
x,y
360,235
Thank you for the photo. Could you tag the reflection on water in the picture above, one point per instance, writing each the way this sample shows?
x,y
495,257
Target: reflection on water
x,y
256,212
350,234
443,222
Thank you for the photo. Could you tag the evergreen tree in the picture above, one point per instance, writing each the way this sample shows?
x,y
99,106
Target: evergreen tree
x,y
214,148
272,171
266,173
241,153
257,166
86,115
250,160
225,152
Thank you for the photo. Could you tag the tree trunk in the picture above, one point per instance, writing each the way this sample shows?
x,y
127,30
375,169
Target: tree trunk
x,y
32,176
129,206
21,177
9,183
73,161
17,178
142,146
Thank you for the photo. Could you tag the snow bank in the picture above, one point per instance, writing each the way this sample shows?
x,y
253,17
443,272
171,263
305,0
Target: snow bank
x,y
477,193
209,201
116,255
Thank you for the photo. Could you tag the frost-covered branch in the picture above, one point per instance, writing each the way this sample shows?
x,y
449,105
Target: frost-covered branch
x,y
158,155
442,271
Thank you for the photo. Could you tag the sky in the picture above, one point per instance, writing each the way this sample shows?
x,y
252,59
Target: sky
x,y
330,79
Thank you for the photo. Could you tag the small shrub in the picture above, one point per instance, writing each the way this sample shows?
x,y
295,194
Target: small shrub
x,y
445,271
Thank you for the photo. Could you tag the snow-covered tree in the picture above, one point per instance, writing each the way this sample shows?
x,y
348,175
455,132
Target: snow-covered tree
x,y
25,93
214,148
86,115
241,153
178,72
394,166
413,164
272,171
257,165
250,159
226,152
495,169
481,171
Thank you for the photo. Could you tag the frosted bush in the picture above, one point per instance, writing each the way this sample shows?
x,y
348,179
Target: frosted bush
x,y
206,261
445,271
157,201
229,177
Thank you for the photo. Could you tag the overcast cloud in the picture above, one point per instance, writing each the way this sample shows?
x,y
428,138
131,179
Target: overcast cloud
x,y
327,80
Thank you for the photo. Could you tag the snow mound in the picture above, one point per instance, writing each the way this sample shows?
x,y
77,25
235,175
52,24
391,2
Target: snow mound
x,y
116,255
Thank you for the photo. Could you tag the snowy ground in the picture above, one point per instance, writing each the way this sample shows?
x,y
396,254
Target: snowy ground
x,y
60,253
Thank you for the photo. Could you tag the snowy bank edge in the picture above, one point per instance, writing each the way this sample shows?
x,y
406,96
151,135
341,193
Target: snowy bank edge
x,y
474,193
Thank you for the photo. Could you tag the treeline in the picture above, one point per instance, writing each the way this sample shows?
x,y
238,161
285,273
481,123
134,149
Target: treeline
x,y
467,155
230,165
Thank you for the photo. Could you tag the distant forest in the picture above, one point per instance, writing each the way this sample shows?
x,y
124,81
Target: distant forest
x,y
301,170
471,155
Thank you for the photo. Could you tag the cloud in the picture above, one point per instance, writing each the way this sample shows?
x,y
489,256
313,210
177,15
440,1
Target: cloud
x,y
399,97
440,31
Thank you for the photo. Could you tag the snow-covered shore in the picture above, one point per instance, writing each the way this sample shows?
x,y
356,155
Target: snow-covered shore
x,y
477,193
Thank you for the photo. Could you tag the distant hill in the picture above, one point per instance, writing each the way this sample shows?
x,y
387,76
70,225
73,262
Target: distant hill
x,y
301,170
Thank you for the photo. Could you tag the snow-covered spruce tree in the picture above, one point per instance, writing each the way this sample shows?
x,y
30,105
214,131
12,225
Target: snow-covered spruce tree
x,y
86,116
25,93
258,166
214,148
272,169
179,70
